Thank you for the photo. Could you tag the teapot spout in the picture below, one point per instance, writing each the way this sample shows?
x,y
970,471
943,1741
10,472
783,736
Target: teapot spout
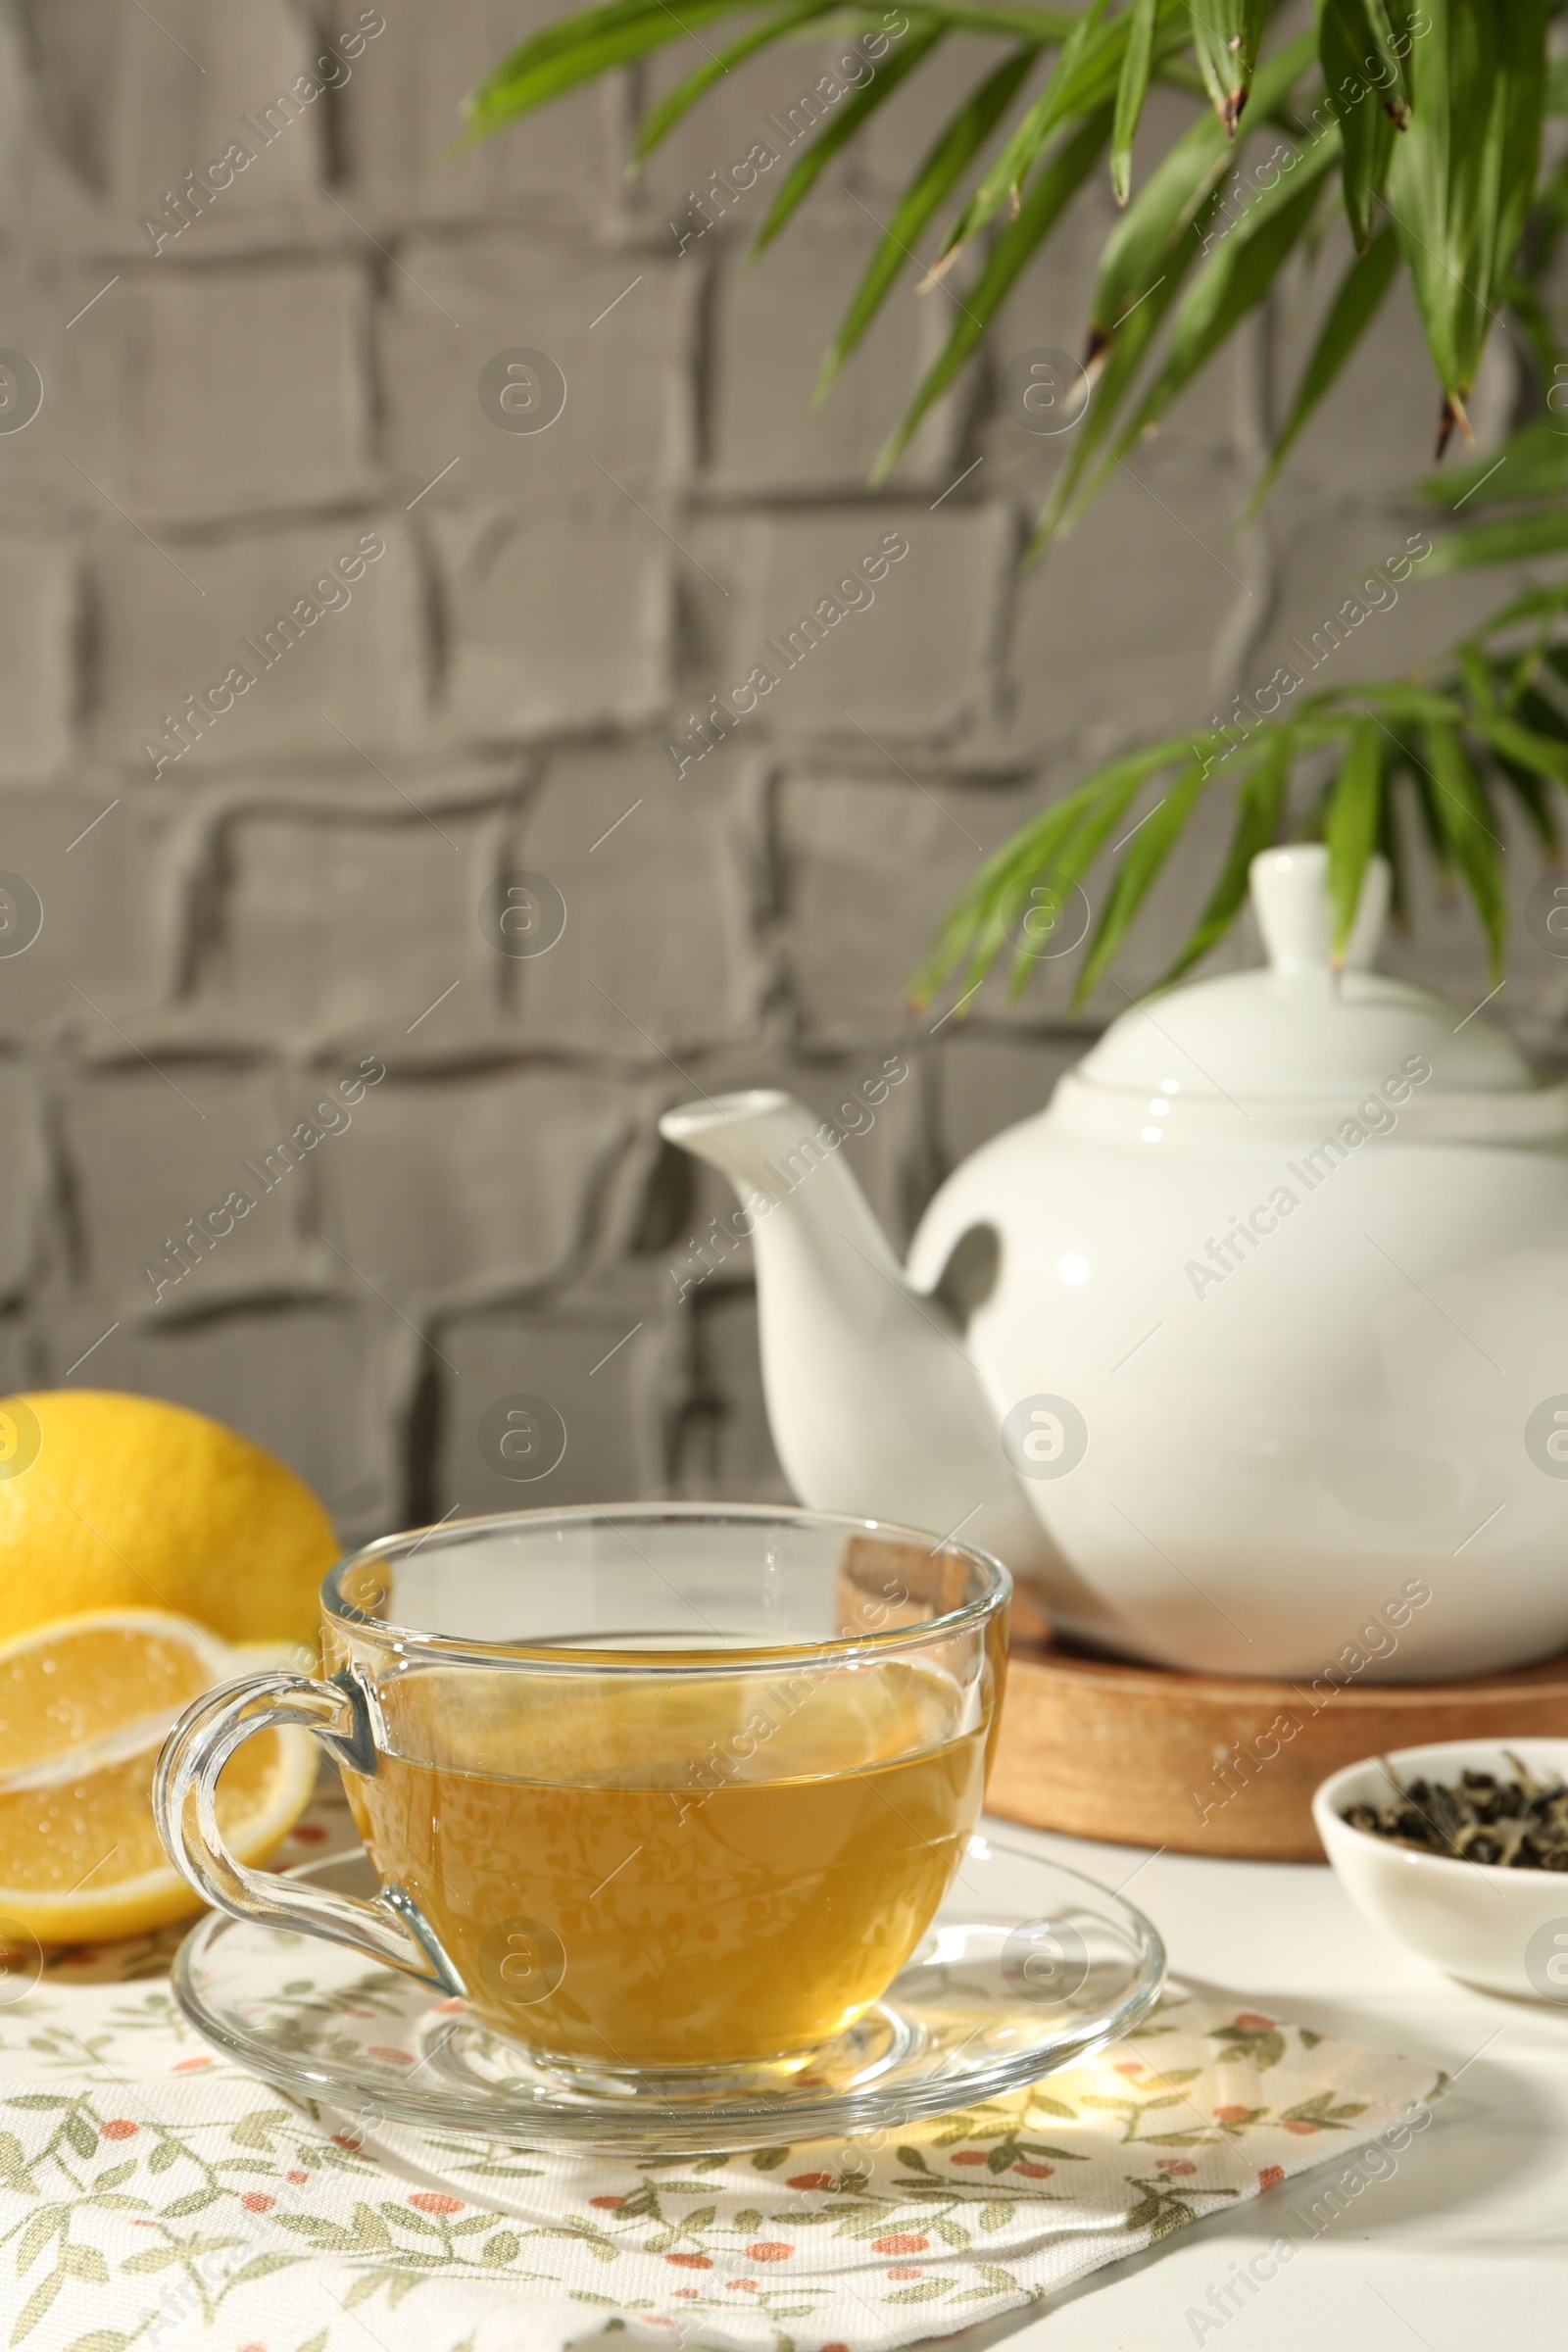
x,y
875,1407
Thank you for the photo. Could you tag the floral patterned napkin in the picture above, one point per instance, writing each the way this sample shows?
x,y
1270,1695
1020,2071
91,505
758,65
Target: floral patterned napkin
x,y
154,2195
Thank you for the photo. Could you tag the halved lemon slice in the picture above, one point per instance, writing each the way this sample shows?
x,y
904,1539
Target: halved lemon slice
x,y
85,1706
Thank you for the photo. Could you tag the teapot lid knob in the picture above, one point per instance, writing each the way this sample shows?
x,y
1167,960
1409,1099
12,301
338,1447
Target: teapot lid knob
x,y
1290,899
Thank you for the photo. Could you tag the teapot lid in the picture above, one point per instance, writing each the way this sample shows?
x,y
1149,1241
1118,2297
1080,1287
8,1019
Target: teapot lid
x,y
1296,1030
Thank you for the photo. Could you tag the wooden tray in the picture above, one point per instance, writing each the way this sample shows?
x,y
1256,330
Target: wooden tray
x,y
1142,1755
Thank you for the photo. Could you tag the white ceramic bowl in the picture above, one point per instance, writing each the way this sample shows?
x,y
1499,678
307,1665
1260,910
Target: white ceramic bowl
x,y
1503,1930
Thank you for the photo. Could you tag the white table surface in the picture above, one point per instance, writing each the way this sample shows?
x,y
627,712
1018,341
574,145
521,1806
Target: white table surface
x,y
1463,2247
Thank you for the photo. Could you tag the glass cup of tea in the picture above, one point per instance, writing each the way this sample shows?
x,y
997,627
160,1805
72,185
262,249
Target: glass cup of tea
x,y
662,1791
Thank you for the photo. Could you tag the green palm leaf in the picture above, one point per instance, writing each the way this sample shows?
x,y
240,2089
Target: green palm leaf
x,y
1462,174
1082,78
1462,812
1537,754
1355,307
576,50
1391,843
660,119
1138,248
1395,700
1171,215
1545,604
1527,700
978,923
1516,540
846,124
1424,792
1050,194
1479,679
1468,216
1151,843
1118,790
1044,26
1367,133
939,173
596,40
1537,800
1376,51
1549,211
996,897
1235,281
1260,799
1542,713
1164,231
1130,91
1534,463
1227,35
1352,829
563,34
1535,324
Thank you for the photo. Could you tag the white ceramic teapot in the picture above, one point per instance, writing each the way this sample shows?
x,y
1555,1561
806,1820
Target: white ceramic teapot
x,y
1248,1354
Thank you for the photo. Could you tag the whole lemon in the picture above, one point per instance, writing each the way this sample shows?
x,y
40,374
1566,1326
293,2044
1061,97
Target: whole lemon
x,y
126,1503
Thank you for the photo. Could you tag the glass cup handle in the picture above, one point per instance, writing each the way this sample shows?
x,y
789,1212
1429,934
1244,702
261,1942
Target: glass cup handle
x,y
391,1930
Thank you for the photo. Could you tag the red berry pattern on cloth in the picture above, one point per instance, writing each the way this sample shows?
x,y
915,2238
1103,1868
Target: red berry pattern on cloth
x,y
123,2140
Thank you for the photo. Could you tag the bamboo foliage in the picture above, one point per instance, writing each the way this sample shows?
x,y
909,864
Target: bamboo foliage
x,y
1421,122
1489,733
1463,174
1418,118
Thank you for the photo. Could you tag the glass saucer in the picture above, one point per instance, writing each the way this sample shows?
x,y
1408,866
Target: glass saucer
x,y
1027,1967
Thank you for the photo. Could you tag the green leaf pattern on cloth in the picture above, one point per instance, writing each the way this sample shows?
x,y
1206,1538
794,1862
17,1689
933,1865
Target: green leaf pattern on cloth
x,y
153,2194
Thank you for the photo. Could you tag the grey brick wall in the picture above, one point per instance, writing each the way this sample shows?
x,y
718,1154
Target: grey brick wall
x,y
306,891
